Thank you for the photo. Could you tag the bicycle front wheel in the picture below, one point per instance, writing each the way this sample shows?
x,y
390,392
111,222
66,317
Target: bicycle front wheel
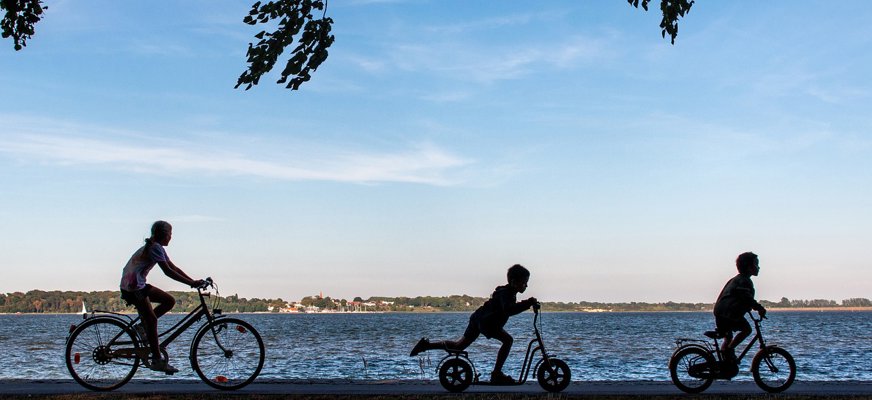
x,y
101,354
774,369
692,369
227,354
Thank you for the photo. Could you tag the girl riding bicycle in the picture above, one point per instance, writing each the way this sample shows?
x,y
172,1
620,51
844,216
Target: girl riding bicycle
x,y
136,292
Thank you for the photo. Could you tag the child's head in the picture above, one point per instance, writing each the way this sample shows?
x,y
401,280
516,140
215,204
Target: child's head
x,y
162,232
518,277
748,264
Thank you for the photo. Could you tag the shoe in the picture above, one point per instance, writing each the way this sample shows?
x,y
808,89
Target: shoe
x,y
162,365
420,347
140,330
499,378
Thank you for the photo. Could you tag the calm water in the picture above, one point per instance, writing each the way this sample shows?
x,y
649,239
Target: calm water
x,y
604,346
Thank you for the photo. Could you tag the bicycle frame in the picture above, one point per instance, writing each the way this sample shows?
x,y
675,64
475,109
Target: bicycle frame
x,y
174,332
715,348
758,336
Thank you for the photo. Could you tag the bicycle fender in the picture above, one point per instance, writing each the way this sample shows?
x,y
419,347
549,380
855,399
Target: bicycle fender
x,y
689,346
97,318
216,319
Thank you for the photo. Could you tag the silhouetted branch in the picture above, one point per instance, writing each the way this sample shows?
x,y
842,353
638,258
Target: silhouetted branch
x,y
19,19
293,16
672,10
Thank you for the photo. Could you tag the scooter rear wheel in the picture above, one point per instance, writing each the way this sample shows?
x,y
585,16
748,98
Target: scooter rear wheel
x,y
553,375
455,375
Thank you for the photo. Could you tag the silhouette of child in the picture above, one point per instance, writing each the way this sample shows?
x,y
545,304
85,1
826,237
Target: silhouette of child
x,y
489,319
736,299
135,291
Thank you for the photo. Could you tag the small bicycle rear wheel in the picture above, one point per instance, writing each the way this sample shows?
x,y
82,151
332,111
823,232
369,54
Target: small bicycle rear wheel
x,y
553,375
692,369
455,375
774,369
227,354
101,354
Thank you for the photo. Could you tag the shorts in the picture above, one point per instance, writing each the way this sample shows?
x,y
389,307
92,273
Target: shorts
x,y
729,325
476,328
136,296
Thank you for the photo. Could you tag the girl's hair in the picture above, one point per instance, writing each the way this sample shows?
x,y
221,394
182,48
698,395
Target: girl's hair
x,y
517,271
157,228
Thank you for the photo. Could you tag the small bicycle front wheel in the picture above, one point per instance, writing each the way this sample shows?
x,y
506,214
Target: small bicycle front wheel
x,y
455,375
553,375
227,354
101,354
692,369
774,369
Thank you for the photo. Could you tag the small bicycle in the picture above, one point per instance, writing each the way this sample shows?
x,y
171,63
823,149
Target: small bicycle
x,y
457,372
695,364
104,352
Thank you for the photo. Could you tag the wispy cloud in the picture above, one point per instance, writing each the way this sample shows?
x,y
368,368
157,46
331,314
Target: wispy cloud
x,y
488,64
421,163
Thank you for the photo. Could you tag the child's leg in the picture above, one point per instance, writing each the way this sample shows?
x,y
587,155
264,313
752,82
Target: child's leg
x,y
165,301
503,353
744,332
149,321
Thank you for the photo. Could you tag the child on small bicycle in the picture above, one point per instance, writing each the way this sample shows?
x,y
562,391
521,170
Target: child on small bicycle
x,y
135,291
735,300
489,319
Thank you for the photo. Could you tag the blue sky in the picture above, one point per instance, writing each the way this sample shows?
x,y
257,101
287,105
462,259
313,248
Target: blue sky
x,y
440,143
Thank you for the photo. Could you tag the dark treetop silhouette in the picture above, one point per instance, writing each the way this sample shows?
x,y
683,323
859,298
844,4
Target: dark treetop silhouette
x,y
292,17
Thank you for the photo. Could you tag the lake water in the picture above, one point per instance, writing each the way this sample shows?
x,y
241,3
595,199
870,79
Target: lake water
x,y
597,346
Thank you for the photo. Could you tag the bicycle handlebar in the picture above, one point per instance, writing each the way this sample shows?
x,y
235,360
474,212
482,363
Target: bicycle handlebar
x,y
762,317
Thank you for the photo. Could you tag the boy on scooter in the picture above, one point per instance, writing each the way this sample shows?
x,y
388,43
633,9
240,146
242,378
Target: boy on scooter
x,y
489,319
735,300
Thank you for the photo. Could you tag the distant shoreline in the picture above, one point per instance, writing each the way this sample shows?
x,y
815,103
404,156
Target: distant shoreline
x,y
797,309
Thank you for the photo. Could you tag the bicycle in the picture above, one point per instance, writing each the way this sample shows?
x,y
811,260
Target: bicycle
x,y
696,363
457,372
104,352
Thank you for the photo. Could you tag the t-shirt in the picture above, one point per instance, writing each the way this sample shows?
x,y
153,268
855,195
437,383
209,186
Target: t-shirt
x,y
137,268
736,299
495,312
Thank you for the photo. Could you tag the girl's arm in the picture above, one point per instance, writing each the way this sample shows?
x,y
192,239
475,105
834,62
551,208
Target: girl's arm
x,y
176,273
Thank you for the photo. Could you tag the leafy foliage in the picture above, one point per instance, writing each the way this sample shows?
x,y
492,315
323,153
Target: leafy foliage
x,y
19,19
293,16
672,10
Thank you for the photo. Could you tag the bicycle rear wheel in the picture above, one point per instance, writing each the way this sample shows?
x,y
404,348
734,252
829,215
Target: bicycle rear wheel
x,y
227,353
101,354
692,369
774,369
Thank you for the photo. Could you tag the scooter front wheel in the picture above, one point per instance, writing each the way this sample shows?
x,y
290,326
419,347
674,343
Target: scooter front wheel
x,y
455,375
553,375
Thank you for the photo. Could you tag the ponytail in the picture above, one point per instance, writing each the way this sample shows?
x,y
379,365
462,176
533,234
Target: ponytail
x,y
157,228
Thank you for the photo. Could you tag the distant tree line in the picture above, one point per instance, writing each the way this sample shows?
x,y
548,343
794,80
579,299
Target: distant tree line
x,y
39,301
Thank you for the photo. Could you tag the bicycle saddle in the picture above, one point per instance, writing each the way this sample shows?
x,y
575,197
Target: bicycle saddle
x,y
714,334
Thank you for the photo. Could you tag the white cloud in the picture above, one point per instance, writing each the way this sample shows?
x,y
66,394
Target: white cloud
x,y
137,153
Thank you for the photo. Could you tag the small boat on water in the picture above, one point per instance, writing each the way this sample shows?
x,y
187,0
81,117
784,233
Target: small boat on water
x,y
84,309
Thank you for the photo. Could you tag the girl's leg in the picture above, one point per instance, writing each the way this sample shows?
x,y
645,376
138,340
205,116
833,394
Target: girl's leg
x,y
149,321
165,301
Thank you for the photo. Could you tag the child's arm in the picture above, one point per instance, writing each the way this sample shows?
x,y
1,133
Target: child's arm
x,y
176,273
511,308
